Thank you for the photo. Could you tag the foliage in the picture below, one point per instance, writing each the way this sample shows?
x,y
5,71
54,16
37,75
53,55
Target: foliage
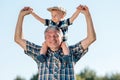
x,y
88,74
19,78
34,77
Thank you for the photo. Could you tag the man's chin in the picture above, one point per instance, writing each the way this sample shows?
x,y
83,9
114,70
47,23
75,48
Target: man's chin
x,y
54,47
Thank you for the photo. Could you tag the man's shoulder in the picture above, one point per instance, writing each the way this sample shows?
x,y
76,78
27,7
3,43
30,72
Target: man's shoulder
x,y
75,45
32,44
78,48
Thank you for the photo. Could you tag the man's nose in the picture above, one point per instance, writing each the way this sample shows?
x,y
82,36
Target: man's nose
x,y
52,38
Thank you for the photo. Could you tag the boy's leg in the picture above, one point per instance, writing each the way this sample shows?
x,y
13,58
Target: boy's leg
x,y
66,53
65,48
44,48
42,56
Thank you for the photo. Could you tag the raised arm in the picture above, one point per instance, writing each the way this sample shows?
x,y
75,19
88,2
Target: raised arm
x,y
18,32
76,13
91,35
38,17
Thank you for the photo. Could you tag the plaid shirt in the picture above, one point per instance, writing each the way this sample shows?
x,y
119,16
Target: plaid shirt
x,y
63,25
54,68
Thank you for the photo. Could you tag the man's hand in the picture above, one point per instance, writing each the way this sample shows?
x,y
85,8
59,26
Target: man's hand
x,y
85,10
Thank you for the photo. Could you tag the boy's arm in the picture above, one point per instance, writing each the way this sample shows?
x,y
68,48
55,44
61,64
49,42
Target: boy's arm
x,y
38,17
75,15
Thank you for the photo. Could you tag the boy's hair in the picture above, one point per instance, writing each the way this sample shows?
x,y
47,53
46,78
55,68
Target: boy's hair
x,y
57,8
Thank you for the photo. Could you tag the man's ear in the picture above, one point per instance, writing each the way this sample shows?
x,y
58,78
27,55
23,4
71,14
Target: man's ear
x,y
62,38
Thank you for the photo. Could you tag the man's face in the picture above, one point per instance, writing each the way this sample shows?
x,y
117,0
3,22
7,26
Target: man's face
x,y
53,39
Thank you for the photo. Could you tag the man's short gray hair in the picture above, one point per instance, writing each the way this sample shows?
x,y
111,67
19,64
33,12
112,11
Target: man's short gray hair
x,y
54,28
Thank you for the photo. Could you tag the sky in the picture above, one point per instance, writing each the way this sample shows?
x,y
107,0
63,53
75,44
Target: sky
x,y
102,57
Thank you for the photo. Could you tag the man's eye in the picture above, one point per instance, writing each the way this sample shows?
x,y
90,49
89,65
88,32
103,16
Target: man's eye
x,y
47,36
56,36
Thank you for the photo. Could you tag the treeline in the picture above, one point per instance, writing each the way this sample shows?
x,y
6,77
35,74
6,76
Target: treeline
x,y
85,74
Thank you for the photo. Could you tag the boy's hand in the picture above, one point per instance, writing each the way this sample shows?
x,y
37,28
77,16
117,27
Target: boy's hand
x,y
80,7
26,11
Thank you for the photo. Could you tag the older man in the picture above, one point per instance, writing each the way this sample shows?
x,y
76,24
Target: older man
x,y
54,65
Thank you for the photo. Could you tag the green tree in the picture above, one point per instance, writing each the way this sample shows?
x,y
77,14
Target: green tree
x,y
19,78
115,76
34,77
88,74
78,77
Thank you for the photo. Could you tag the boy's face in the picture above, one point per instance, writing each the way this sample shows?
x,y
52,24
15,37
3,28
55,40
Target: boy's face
x,y
56,15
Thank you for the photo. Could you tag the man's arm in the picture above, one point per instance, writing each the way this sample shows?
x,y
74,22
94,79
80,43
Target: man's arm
x,y
38,17
91,36
18,32
76,13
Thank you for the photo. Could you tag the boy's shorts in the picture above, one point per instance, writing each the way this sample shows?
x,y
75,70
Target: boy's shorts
x,y
64,33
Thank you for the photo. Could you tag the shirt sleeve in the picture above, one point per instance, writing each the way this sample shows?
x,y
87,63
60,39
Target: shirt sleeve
x,y
47,21
32,50
68,22
77,51
65,23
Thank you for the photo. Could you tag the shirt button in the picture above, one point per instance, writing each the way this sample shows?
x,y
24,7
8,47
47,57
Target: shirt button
x,y
55,76
56,61
56,69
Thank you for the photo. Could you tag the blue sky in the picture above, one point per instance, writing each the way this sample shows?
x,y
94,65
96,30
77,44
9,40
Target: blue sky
x,y
103,55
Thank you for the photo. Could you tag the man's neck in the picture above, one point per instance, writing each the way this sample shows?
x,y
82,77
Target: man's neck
x,y
54,49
